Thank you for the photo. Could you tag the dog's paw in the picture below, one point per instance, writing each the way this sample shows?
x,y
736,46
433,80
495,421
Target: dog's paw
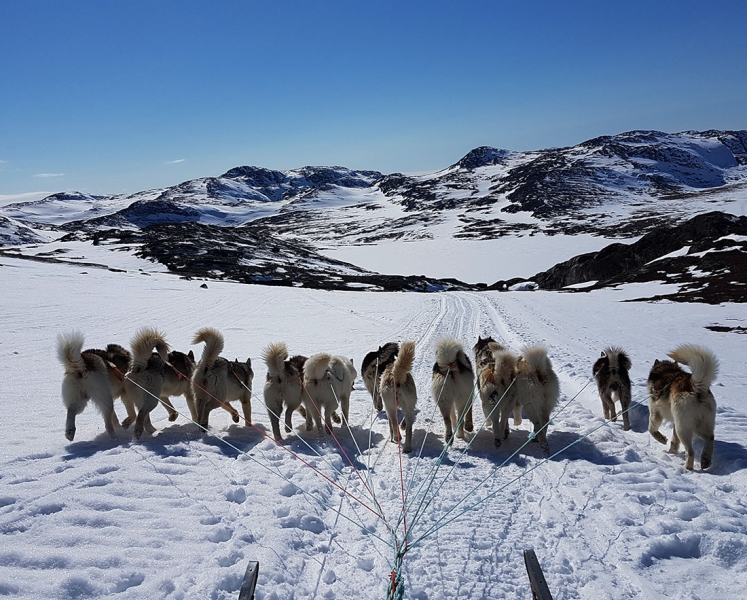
x,y
235,417
288,429
705,463
659,437
138,432
70,434
497,442
407,449
173,416
127,422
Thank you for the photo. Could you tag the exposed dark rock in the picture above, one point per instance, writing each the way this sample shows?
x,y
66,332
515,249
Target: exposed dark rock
x,y
712,267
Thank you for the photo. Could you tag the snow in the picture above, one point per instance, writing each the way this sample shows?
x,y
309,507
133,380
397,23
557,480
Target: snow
x,y
474,261
178,515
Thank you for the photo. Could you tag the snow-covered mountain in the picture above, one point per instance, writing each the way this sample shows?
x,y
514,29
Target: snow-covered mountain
x,y
610,188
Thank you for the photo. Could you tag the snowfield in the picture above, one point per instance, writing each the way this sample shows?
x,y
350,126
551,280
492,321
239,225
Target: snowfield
x,y
178,514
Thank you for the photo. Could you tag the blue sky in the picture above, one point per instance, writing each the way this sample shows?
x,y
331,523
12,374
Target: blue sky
x,y
121,96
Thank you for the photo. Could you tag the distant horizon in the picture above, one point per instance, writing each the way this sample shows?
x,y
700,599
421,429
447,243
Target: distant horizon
x,y
144,96
6,199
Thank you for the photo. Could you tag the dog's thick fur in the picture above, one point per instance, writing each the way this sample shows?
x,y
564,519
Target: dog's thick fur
x,y
88,376
373,366
613,382
145,377
283,386
177,382
495,372
536,389
328,382
452,386
218,381
397,389
686,400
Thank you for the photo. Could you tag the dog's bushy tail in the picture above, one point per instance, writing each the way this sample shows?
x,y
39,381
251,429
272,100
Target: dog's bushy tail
x,y
69,349
143,343
702,362
275,356
447,351
536,359
403,364
315,367
214,342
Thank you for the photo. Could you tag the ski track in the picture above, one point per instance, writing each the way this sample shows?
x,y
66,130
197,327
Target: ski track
x,y
654,511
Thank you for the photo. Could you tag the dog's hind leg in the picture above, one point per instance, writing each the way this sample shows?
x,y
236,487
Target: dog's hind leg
x,y
706,456
246,408
625,405
674,446
129,405
446,414
173,414
143,416
101,396
190,396
468,425
608,405
70,424
654,421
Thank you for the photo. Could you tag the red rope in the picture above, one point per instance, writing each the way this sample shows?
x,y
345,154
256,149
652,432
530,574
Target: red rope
x,y
339,445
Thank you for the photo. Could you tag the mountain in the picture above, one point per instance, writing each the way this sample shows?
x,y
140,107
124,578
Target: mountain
x,y
293,227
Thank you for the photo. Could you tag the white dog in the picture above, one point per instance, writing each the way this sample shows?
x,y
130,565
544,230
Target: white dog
x,y
452,386
328,381
283,386
218,381
686,400
495,374
397,389
537,390
505,398
144,379
87,377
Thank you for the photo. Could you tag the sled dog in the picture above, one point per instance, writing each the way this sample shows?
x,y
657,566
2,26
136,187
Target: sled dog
x,y
537,390
495,372
452,386
613,382
328,381
397,389
283,386
145,377
177,382
218,381
373,366
89,375
685,399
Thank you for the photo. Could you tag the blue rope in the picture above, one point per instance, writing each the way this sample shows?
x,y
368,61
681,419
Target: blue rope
x,y
441,524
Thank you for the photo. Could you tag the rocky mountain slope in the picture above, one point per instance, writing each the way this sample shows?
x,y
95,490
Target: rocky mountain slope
x,y
258,225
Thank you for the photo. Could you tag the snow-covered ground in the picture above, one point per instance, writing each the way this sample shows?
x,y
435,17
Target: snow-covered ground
x,y
178,514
